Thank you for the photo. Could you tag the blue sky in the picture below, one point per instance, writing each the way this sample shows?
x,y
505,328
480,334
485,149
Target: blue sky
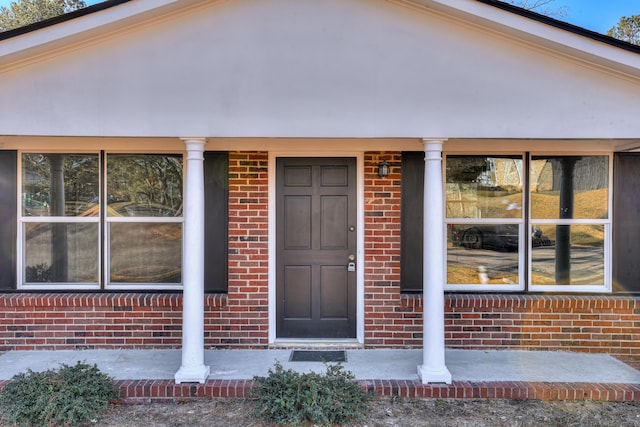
x,y
595,15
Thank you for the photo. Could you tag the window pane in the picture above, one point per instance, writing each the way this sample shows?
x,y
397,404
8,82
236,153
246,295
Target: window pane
x,y
484,187
482,254
144,185
61,252
571,255
145,252
570,187
60,184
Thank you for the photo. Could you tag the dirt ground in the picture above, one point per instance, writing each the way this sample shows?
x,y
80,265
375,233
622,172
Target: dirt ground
x,y
391,412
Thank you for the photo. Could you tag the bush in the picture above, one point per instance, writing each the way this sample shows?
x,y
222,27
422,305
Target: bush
x,y
288,397
69,395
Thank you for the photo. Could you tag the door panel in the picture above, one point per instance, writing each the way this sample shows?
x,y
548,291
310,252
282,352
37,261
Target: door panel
x,y
333,222
297,290
316,214
297,212
334,297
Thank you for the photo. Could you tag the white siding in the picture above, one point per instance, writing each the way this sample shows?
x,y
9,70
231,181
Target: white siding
x,y
330,68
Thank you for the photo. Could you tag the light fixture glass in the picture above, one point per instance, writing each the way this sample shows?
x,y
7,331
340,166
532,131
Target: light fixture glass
x,y
384,169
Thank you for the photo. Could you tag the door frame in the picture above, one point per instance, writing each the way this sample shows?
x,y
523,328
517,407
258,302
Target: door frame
x,y
359,156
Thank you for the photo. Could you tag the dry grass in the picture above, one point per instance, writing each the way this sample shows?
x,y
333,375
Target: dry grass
x,y
392,412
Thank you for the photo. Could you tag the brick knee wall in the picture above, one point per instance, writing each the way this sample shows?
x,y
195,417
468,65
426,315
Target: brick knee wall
x,y
86,321
592,324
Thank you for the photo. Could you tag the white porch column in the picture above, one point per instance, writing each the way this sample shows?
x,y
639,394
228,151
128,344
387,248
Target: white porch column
x,y
193,368
433,369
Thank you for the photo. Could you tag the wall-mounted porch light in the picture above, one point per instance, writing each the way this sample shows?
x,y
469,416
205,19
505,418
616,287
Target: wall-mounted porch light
x,y
384,169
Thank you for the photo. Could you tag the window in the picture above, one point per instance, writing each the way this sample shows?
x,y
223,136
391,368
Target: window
x,y
70,227
484,202
556,234
570,211
144,219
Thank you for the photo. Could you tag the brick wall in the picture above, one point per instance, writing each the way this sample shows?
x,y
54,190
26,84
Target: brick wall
x,y
85,321
387,322
589,324
244,323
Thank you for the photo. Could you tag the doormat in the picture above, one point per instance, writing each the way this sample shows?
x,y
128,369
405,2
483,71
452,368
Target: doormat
x,y
318,356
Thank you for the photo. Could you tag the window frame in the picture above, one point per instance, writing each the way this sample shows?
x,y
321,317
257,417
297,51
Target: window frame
x,y
23,220
525,252
521,222
103,221
109,220
607,223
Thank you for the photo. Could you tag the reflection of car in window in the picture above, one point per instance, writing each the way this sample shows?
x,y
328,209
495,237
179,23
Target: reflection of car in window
x,y
500,237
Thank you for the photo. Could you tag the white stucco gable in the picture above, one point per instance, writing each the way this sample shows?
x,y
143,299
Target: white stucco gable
x,y
330,68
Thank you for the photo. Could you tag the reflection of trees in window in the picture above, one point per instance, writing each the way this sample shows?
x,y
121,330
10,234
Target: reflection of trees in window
x,y
59,257
589,173
484,186
462,169
565,188
480,250
141,187
563,232
56,185
68,180
590,186
144,185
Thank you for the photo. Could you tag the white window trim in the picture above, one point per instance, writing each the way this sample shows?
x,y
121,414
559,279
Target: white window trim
x,y
479,287
524,270
22,220
605,287
103,228
492,287
108,220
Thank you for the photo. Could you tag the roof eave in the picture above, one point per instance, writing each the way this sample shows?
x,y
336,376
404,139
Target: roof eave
x,y
563,25
82,25
4,35
543,31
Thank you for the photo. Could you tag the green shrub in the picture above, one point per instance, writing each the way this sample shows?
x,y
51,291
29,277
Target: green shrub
x,y
288,397
69,395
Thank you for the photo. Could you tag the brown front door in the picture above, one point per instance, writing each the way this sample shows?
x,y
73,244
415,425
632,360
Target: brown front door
x,y
315,244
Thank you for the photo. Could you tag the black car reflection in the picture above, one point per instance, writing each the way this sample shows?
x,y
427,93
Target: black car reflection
x,y
498,237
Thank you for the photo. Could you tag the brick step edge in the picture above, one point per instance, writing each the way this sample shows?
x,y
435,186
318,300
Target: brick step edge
x,y
164,391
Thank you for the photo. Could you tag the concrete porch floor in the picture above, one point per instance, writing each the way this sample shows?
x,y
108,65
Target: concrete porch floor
x,y
522,372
